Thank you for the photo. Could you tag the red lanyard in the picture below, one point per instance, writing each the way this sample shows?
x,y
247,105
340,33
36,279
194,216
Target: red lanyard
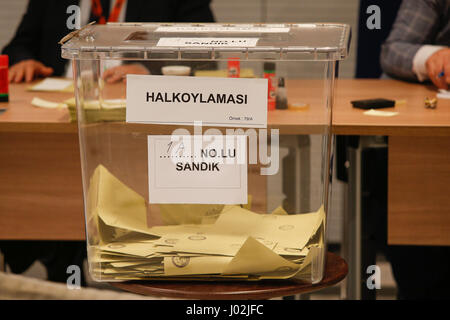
x,y
97,10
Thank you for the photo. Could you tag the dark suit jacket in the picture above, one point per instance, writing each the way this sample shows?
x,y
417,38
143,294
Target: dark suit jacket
x,y
418,22
37,36
44,24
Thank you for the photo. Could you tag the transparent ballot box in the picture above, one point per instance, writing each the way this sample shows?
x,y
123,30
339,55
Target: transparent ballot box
x,y
206,149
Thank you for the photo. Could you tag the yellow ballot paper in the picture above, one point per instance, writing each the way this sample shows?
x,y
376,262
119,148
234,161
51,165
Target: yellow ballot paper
x,y
279,211
248,205
285,250
97,105
179,229
53,84
41,103
304,273
196,213
116,204
176,266
132,249
188,213
255,258
99,111
135,263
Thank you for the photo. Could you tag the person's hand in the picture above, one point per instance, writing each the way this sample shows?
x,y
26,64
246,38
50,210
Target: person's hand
x,y
119,73
27,70
436,64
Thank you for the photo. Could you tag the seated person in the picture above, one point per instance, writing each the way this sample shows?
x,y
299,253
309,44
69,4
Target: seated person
x,y
34,50
417,48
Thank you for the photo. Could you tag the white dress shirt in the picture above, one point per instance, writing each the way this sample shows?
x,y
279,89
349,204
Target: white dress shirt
x,y
420,59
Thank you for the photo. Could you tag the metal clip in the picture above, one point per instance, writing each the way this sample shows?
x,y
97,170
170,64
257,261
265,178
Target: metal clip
x,y
74,33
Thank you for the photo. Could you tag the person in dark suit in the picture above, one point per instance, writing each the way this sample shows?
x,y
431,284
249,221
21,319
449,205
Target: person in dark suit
x,y
34,51
418,47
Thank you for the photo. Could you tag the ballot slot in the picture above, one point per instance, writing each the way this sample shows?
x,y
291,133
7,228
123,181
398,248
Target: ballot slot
x,y
180,179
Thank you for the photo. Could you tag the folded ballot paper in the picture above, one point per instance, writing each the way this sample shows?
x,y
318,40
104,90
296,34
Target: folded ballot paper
x,y
199,242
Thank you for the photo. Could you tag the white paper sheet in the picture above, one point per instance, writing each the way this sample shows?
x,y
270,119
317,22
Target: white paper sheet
x,y
197,169
52,84
379,113
443,94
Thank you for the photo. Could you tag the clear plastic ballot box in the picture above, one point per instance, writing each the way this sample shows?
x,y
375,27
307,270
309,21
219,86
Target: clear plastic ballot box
x,y
206,149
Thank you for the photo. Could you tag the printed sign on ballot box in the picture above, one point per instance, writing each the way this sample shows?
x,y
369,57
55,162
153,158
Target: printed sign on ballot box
x,y
180,100
190,169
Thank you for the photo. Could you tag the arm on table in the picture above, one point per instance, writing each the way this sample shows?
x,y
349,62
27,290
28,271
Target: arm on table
x,y
416,25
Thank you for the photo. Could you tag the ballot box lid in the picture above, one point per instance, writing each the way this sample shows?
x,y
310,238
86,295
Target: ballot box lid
x,y
209,41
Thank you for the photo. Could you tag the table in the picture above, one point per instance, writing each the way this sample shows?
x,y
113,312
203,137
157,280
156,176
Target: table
x,y
335,270
419,143
32,140
418,153
40,193
32,198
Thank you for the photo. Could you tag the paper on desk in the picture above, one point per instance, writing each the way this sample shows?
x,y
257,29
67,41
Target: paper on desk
x,y
188,213
279,211
443,94
238,241
179,229
131,249
53,84
41,103
114,258
95,104
178,214
114,103
203,242
379,113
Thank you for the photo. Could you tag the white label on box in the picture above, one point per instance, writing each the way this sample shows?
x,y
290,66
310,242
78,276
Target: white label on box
x,y
197,169
207,42
179,100
236,29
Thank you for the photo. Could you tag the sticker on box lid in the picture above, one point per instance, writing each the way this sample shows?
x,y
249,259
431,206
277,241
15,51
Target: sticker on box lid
x,y
225,28
207,42
197,169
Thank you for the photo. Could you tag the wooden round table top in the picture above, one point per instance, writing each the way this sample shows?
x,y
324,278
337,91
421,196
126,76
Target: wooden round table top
x,y
335,270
